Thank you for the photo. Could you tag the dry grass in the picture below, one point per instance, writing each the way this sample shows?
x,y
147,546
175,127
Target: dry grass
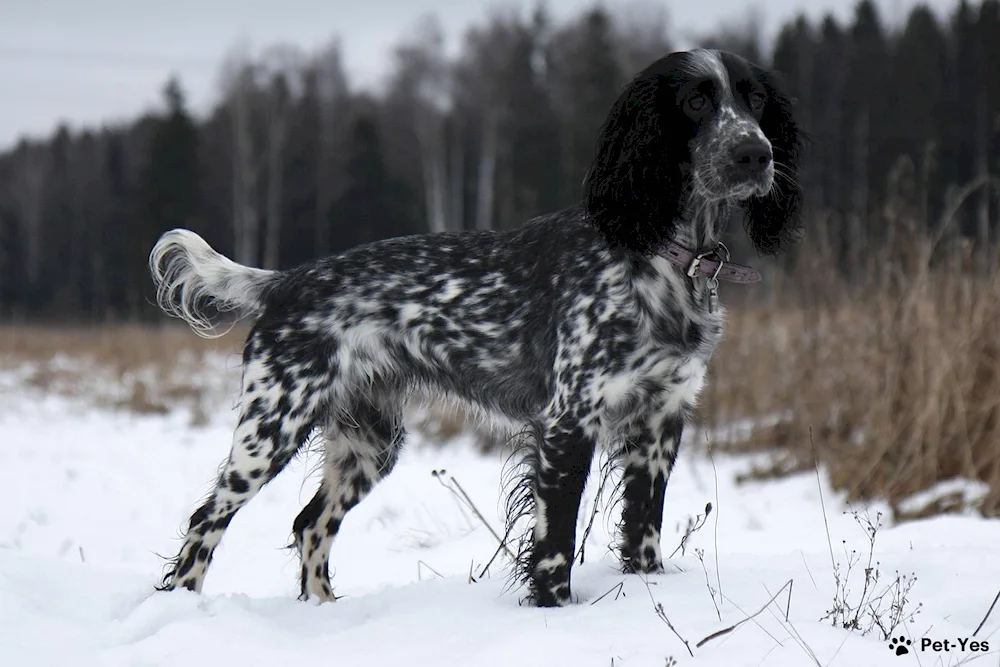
x,y
119,345
893,384
152,369
114,346
140,368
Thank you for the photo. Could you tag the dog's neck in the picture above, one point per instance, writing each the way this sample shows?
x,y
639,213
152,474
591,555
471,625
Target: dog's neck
x,y
697,250
703,224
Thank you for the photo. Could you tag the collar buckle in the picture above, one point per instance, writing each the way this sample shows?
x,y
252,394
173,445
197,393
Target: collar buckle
x,y
719,253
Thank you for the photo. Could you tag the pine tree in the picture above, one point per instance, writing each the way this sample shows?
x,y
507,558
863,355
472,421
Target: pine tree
x,y
988,116
827,85
965,75
58,220
533,168
170,180
115,243
168,187
794,60
374,204
916,96
12,278
865,126
586,79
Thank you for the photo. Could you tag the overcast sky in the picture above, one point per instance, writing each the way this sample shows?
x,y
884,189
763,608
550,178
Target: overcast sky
x,y
90,61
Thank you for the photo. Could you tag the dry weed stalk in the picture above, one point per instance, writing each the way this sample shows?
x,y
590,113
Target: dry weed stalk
x,y
885,607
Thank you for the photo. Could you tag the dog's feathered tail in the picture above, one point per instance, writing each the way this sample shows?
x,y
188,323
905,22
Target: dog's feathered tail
x,y
190,275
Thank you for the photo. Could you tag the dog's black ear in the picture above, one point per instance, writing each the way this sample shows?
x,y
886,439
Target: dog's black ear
x,y
633,187
773,221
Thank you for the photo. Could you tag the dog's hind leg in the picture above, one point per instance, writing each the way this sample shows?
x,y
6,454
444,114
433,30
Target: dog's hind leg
x,y
361,448
648,457
279,408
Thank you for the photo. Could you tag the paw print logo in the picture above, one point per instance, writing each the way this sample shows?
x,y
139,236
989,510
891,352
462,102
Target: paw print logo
x,y
899,645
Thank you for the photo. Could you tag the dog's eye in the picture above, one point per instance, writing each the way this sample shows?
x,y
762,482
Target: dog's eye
x,y
696,101
757,101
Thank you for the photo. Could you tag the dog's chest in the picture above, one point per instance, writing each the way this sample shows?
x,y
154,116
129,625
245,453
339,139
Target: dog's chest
x,y
675,337
675,313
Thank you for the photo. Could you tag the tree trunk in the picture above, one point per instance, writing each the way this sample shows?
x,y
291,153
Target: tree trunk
x,y
429,137
245,216
487,169
75,264
456,177
30,196
321,214
276,137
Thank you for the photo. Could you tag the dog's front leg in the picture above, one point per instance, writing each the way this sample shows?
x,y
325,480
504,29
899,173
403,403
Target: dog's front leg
x,y
647,458
563,462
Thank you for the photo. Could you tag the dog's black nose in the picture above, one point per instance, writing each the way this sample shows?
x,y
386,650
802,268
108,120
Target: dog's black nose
x,y
752,157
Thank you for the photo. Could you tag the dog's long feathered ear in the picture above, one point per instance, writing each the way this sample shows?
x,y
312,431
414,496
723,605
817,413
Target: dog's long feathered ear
x,y
633,187
772,222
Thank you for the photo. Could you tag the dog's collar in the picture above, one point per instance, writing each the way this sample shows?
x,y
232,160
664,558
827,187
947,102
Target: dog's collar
x,y
712,263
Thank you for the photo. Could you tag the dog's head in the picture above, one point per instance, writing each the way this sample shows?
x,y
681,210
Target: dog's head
x,y
695,128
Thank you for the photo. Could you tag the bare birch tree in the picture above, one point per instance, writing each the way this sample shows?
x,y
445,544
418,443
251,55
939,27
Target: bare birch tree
x,y
422,88
239,83
281,71
456,173
330,92
482,76
486,184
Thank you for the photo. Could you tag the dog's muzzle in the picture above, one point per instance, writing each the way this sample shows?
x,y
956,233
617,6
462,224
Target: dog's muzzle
x,y
752,166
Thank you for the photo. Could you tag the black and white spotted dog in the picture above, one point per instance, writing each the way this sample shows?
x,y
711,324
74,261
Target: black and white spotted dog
x,y
586,327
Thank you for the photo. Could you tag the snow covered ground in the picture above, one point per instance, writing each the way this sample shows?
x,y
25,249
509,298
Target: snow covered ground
x,y
89,497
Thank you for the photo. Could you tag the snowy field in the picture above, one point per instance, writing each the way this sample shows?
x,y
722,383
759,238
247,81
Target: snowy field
x,y
89,497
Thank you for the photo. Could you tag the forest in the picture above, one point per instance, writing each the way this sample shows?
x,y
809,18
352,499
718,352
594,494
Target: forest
x,y
295,162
